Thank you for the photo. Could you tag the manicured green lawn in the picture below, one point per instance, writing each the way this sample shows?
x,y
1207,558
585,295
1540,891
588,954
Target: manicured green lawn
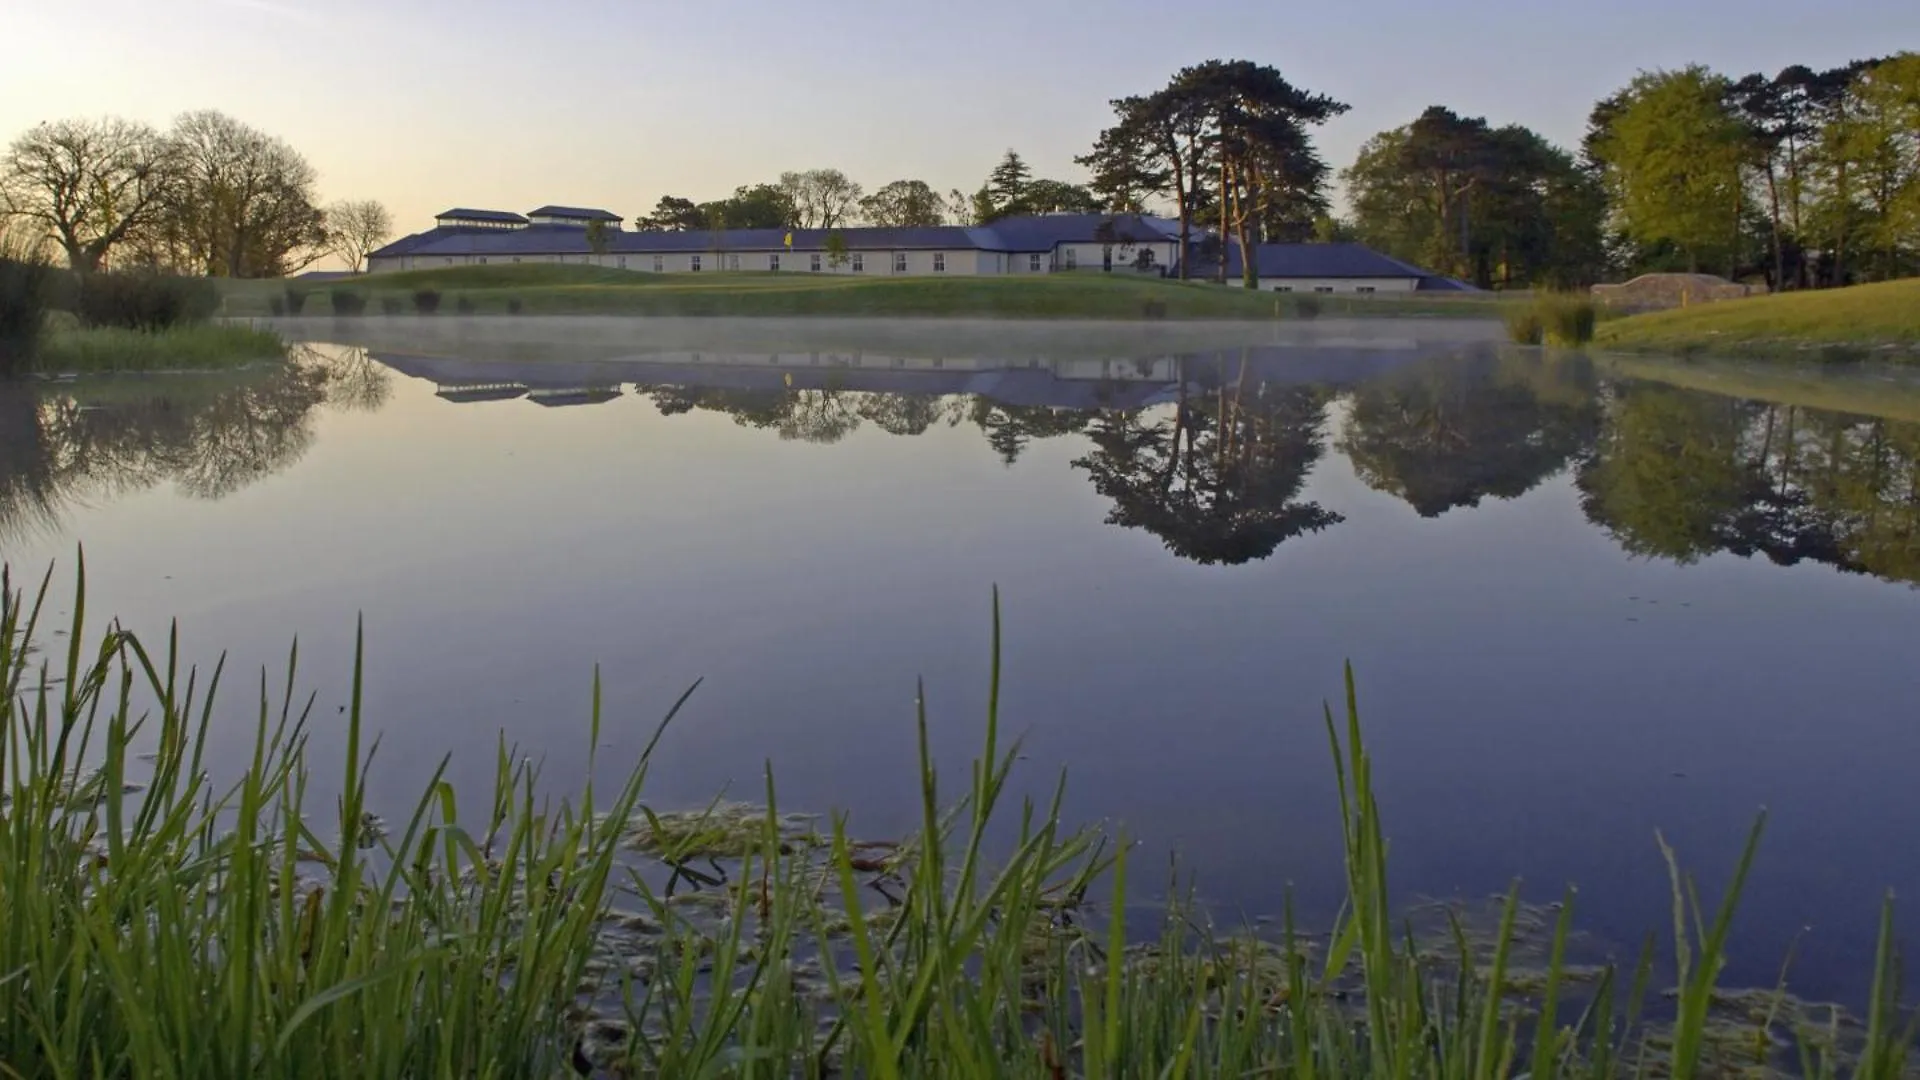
x,y
1833,323
580,290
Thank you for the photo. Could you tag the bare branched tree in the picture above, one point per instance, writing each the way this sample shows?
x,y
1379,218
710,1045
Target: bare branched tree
x,y
357,227
245,205
89,184
821,198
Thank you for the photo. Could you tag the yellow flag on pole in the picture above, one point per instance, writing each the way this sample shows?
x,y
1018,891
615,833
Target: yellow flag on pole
x,y
789,240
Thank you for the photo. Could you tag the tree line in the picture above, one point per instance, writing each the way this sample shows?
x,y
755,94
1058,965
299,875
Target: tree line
x,y
1805,178
208,196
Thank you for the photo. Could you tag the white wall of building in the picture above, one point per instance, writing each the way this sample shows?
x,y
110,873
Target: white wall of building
x,y
1093,256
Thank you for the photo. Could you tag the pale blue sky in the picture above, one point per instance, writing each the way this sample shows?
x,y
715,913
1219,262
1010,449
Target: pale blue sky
x,y
425,104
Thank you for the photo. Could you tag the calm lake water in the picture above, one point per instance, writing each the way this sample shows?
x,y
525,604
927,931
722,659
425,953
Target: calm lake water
x,y
1584,600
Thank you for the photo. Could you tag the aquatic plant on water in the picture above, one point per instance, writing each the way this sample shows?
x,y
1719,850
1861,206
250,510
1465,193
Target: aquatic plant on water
x,y
159,920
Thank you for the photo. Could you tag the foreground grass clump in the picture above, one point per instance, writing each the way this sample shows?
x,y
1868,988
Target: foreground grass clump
x,y
1856,323
200,927
1558,319
195,347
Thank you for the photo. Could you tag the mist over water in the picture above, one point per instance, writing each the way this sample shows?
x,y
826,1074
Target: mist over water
x,y
1583,601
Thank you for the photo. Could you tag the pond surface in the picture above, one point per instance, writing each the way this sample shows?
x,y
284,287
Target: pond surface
x,y
1584,599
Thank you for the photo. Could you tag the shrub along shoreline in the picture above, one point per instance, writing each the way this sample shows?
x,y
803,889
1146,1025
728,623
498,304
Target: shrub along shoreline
x,y
162,922
56,322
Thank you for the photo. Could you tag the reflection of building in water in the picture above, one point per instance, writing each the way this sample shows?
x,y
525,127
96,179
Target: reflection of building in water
x,y
573,395
461,393
1068,383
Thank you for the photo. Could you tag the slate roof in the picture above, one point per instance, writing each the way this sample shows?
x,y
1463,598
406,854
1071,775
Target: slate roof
x,y
466,214
578,213
935,238
1321,261
1043,232
1019,235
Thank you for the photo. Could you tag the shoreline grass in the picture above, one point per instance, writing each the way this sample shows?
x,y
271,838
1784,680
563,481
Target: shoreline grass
x,y
184,347
160,922
1878,321
581,290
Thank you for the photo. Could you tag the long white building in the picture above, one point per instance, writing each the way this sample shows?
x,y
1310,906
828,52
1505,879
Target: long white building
x,y
1037,244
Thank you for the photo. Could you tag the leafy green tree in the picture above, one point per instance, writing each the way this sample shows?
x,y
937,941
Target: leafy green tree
x,y
1008,181
1126,169
1166,129
760,206
1498,206
674,214
1257,124
1870,151
597,237
837,256
904,204
1672,150
1053,197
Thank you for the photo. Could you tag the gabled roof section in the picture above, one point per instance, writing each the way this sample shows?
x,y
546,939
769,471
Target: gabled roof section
x,y
1321,261
575,213
1044,232
773,241
462,213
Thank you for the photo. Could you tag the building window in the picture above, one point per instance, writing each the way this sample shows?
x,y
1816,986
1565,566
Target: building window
x,y
859,263
813,263
1073,259
899,262
696,264
659,264
939,262
483,260
449,262
733,262
1033,263
623,262
773,262
516,258
1364,289
1323,288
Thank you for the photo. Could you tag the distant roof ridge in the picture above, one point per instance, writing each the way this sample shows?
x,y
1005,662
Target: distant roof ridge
x,y
588,213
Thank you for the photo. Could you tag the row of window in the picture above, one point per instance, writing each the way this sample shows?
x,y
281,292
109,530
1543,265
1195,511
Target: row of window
x,y
1324,288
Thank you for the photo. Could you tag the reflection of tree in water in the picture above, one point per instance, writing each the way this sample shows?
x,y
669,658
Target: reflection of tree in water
x,y
815,416
1680,474
356,382
1216,480
29,495
1009,428
1450,433
211,437
827,416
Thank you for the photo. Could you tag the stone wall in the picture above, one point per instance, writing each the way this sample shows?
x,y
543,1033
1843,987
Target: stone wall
x,y
1658,292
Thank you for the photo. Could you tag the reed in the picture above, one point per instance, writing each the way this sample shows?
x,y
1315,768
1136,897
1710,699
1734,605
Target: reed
x,y
160,921
1563,319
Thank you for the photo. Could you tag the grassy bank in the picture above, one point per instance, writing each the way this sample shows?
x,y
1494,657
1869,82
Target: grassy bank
x,y
1862,322
580,290
161,922
187,347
